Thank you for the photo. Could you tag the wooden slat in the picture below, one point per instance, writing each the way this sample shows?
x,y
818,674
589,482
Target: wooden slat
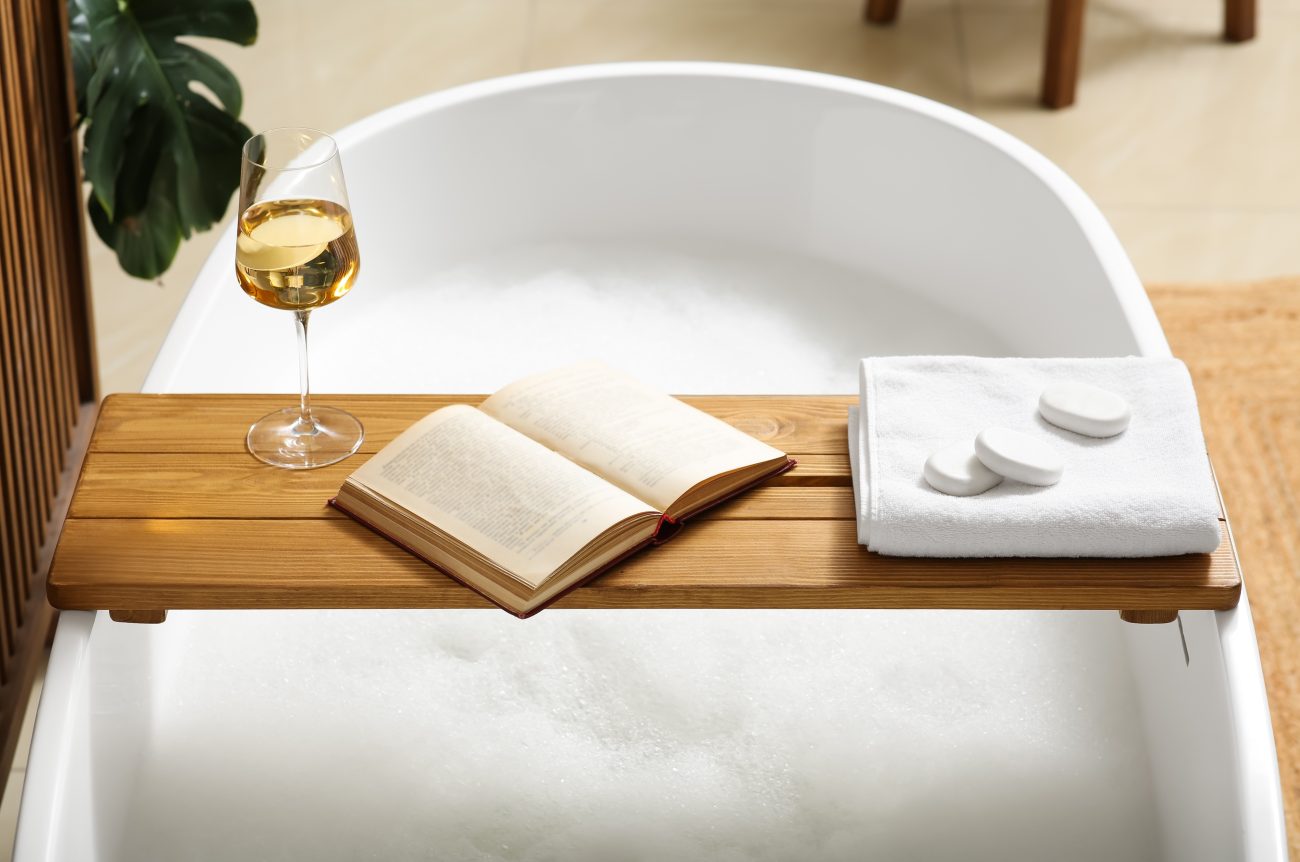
x,y
53,129
19,555
218,423
818,471
39,450
42,275
78,320
10,557
777,502
323,563
201,524
24,507
136,485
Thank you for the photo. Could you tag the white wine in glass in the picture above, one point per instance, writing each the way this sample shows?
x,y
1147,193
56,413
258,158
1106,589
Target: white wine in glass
x,y
296,254
296,249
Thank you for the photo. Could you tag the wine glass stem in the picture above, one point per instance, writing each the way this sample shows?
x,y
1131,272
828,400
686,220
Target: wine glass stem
x,y
305,424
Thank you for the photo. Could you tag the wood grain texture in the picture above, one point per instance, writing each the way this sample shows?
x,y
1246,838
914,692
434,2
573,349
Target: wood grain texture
x,y
16,552
1240,343
331,563
24,506
145,617
170,485
197,525
47,387
218,423
1154,617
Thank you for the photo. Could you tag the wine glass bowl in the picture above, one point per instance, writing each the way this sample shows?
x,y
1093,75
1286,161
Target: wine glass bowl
x,y
296,249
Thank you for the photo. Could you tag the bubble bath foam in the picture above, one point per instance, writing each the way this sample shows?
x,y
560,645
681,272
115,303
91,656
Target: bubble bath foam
x,y
626,735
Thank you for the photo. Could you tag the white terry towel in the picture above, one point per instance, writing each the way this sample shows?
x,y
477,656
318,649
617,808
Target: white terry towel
x,y
1146,492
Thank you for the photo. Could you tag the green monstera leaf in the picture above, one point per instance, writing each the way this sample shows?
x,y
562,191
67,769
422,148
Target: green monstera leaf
x,y
162,158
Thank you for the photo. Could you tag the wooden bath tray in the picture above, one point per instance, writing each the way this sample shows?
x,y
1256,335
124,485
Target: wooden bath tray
x,y
172,512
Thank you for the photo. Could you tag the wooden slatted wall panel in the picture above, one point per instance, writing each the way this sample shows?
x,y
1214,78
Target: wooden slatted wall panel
x,y
46,352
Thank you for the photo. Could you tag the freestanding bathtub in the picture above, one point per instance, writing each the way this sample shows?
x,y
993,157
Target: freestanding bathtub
x,y
711,228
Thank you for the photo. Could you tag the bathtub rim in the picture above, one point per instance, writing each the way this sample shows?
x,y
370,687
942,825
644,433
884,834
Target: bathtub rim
x,y
1259,775
1114,262
45,789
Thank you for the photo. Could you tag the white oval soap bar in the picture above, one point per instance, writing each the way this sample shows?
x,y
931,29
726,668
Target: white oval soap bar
x,y
1084,409
955,470
1019,456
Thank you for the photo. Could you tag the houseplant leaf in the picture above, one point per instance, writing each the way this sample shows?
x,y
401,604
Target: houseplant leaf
x,y
162,159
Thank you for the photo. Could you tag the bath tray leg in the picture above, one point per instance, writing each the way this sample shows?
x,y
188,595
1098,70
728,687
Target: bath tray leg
x,y
880,11
138,616
1142,617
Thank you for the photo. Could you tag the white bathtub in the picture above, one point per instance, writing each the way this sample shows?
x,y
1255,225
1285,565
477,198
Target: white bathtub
x,y
712,228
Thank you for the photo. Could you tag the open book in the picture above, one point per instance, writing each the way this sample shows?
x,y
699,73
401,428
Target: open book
x,y
551,480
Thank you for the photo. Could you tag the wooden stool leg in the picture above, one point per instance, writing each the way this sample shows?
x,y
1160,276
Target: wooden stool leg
x,y
1148,617
1238,20
1061,63
880,11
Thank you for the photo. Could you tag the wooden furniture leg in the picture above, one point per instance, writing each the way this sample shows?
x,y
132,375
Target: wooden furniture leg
x,y
881,11
1061,63
1238,20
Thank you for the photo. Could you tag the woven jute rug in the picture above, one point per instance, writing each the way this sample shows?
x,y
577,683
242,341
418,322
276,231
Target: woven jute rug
x,y
1242,344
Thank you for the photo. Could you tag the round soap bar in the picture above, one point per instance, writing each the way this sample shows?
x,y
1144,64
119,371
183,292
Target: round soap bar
x,y
955,470
1019,456
1084,409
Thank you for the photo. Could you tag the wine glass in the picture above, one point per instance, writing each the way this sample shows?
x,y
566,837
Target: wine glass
x,y
296,249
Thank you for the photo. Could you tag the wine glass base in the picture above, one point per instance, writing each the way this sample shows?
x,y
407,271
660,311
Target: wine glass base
x,y
280,440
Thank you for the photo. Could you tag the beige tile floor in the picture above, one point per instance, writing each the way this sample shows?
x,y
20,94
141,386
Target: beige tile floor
x,y
1190,146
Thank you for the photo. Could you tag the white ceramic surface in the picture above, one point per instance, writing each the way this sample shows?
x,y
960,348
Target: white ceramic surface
x,y
624,212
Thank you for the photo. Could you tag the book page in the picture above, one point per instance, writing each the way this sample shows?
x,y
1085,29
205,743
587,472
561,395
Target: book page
x,y
651,444
508,497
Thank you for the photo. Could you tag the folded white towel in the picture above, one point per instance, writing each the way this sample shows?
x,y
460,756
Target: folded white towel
x,y
1147,492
